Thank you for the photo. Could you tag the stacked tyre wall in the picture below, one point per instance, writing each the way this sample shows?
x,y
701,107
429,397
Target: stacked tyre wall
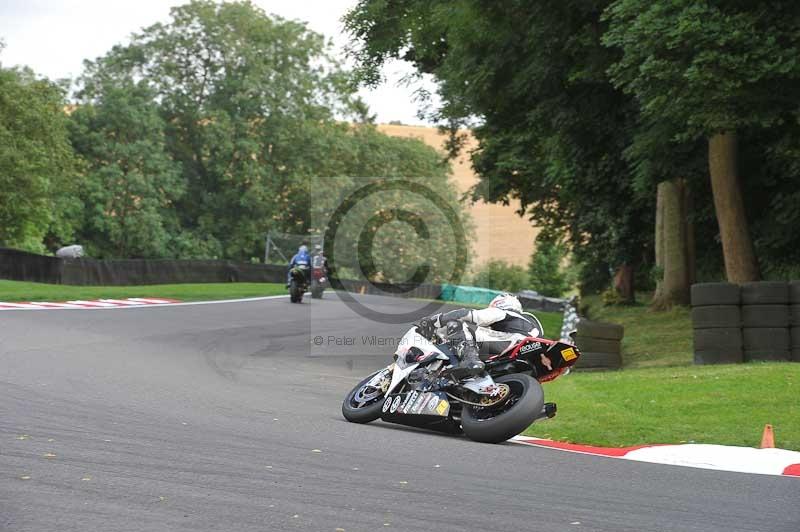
x,y
717,323
765,321
600,344
752,322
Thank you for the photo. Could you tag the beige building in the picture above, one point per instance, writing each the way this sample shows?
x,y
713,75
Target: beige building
x,y
500,233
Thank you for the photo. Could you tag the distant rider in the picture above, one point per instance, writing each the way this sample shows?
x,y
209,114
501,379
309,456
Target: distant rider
x,y
318,259
300,259
488,331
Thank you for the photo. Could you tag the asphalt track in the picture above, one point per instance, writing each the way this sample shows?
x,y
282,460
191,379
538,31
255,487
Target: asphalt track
x,y
227,417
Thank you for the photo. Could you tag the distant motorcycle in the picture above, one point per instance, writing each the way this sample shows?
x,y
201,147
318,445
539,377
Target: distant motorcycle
x,y
298,282
422,388
319,276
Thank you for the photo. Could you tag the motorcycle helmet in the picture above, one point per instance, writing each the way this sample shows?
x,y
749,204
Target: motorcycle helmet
x,y
303,249
506,302
317,248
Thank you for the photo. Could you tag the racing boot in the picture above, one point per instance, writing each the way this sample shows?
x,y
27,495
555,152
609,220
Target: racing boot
x,y
470,363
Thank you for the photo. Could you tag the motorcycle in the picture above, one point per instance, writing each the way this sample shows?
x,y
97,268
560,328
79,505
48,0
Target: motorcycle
x,y
298,283
422,388
319,277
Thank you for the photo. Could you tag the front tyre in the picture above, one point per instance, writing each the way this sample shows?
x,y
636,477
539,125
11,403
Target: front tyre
x,y
364,402
495,425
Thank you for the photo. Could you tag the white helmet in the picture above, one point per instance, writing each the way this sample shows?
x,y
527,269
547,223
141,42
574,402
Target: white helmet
x,y
506,302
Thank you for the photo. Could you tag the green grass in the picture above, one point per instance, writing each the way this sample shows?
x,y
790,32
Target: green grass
x,y
661,397
21,291
703,404
652,339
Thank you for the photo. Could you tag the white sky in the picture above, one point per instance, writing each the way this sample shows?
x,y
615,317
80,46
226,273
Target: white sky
x,y
53,37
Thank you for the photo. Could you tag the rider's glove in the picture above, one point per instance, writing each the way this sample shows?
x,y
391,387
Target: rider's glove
x,y
426,328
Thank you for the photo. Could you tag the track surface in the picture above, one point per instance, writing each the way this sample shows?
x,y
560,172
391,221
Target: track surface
x,y
208,417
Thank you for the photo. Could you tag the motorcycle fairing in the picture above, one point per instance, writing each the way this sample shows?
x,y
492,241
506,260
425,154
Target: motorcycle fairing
x,y
403,368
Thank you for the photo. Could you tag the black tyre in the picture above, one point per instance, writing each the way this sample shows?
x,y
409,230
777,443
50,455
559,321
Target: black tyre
x,y
598,345
713,316
794,336
715,294
591,360
363,403
758,355
489,425
794,315
794,292
718,339
765,293
597,329
719,356
765,339
295,292
765,316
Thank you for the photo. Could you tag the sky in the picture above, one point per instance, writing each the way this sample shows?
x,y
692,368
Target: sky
x,y
53,37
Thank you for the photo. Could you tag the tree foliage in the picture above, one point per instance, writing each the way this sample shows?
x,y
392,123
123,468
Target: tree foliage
x,y
131,182
551,128
36,161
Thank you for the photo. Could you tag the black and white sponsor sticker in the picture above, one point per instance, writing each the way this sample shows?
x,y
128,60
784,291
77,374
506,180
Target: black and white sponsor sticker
x,y
410,398
420,404
433,403
395,404
387,404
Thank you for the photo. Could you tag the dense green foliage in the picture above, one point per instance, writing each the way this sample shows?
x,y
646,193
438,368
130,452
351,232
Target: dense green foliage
x,y
202,134
547,270
581,108
37,166
499,275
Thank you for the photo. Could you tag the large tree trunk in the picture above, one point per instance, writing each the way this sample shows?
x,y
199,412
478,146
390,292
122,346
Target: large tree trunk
x,y
737,247
672,245
623,283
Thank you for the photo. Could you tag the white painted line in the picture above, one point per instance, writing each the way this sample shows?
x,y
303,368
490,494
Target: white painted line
x,y
151,301
125,302
136,304
90,303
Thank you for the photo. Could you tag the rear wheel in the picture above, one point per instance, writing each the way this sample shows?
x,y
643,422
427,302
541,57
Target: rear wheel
x,y
295,292
364,402
497,424
316,290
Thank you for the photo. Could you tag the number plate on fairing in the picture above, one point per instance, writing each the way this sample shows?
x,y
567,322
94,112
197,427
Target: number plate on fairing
x,y
417,403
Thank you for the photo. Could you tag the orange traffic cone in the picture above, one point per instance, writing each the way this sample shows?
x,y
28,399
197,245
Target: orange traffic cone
x,y
768,438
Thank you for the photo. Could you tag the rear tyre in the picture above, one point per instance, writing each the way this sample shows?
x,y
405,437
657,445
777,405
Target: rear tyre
x,y
295,293
488,425
364,403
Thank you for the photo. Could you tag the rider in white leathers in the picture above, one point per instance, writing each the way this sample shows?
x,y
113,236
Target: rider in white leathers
x,y
487,331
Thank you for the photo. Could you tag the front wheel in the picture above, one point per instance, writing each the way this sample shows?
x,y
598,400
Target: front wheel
x,y
364,402
497,424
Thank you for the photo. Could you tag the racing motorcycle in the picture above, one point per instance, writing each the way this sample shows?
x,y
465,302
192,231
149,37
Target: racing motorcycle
x,y
319,277
298,282
423,388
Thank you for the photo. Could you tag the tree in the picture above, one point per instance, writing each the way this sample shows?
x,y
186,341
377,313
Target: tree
x,y
131,182
499,275
36,161
546,271
245,96
551,128
711,69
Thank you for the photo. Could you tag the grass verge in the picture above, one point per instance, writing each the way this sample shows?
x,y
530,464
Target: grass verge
x,y
652,339
11,291
726,404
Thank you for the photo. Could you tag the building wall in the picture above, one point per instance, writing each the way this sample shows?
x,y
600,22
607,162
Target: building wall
x,y
500,233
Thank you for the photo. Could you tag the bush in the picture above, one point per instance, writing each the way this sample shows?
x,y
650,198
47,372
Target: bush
x,y
548,276
499,275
